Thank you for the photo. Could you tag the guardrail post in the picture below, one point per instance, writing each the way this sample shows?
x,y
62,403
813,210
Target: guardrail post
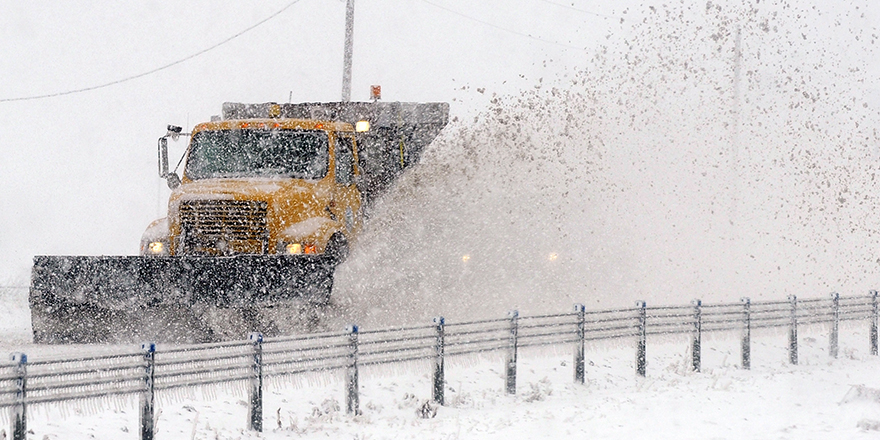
x,y
746,347
833,347
579,345
792,332
255,410
439,368
352,404
874,317
696,334
511,352
147,398
642,341
18,412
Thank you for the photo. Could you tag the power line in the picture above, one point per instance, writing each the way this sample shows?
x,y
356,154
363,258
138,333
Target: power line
x,y
501,28
158,69
579,10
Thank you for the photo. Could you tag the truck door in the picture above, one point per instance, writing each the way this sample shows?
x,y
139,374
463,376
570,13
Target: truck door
x,y
346,197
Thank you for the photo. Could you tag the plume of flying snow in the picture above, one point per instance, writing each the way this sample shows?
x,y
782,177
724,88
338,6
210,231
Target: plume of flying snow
x,y
671,167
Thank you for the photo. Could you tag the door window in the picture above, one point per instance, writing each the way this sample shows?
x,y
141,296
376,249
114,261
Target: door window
x,y
344,160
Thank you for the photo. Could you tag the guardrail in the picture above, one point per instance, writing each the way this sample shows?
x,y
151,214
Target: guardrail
x,y
149,371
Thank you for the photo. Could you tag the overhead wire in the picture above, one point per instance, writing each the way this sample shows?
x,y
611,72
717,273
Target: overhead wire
x,y
158,69
579,10
270,17
500,27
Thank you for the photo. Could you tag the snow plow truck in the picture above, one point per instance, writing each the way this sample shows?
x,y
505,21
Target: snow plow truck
x,y
270,199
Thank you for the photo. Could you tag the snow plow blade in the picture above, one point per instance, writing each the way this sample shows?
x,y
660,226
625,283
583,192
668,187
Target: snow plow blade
x,y
100,299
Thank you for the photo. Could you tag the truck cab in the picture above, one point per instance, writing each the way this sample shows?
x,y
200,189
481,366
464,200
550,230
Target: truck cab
x,y
262,186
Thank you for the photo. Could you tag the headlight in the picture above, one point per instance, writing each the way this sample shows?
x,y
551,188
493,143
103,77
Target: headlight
x,y
296,248
155,248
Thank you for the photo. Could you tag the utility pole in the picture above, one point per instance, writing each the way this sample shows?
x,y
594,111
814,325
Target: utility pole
x,y
349,42
735,135
735,245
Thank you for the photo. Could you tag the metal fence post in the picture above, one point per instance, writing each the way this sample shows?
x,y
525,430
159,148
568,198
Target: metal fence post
x,y
833,347
746,346
147,398
352,404
696,334
439,367
255,410
874,322
792,332
18,412
579,345
642,341
511,352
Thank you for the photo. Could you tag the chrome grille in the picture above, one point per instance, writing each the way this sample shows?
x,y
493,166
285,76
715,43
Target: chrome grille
x,y
205,223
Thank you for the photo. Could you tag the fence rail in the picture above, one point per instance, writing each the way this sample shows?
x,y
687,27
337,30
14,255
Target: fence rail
x,y
150,369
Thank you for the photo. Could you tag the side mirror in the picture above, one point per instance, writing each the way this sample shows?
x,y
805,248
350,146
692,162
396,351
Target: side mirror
x,y
163,157
173,180
174,132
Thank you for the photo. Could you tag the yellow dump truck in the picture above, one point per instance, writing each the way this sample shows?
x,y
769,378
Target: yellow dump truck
x,y
270,199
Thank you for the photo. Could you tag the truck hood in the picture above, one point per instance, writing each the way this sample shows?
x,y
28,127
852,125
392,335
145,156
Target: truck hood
x,y
293,200
244,189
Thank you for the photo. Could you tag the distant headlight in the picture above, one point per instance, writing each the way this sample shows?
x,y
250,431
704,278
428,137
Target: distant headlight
x,y
294,248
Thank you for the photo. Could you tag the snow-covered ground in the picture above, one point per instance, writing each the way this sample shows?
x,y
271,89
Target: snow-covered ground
x,y
819,398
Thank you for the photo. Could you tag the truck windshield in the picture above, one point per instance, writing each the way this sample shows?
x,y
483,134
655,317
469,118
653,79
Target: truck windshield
x,y
300,154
